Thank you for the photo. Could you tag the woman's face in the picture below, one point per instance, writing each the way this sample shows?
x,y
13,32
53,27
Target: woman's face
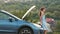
x,y
44,10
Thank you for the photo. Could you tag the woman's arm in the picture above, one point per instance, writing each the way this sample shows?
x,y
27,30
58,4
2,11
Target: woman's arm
x,y
41,17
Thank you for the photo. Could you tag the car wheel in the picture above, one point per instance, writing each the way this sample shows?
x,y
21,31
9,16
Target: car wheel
x,y
25,31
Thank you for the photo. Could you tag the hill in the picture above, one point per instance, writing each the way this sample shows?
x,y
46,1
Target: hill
x,y
19,7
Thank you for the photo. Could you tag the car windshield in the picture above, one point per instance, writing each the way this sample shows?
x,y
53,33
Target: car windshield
x,y
5,14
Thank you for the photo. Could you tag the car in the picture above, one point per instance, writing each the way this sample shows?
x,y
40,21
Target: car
x,y
10,24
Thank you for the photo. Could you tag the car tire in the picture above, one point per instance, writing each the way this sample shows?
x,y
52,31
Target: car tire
x,y
25,30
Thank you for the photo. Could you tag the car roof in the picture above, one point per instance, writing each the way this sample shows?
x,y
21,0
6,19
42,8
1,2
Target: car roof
x,y
3,11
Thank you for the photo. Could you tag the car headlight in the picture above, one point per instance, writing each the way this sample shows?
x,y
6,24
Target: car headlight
x,y
37,25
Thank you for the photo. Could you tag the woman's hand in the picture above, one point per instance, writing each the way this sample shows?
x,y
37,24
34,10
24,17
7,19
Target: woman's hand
x,y
40,23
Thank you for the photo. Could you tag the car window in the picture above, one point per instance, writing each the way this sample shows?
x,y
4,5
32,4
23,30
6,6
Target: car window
x,y
4,16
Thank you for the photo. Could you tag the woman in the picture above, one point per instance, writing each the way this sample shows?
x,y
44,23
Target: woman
x,y
42,19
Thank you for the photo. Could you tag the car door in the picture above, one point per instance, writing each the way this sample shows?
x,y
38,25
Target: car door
x,y
7,24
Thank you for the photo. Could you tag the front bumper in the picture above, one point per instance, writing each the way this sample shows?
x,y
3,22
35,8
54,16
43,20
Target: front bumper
x,y
38,31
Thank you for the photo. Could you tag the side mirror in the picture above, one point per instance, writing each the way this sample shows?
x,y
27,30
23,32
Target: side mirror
x,y
11,19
